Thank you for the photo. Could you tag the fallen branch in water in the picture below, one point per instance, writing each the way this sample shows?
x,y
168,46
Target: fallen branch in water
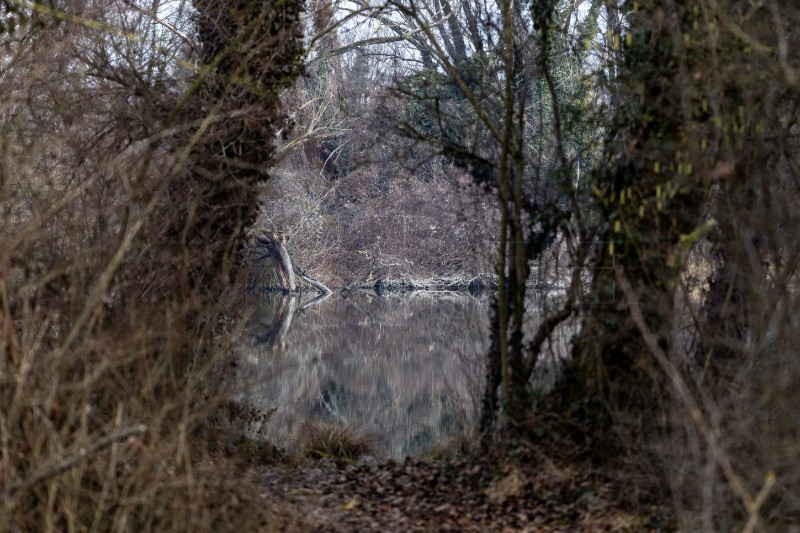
x,y
321,287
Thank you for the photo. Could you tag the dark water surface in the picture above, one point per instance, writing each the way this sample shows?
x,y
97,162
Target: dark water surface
x,y
404,371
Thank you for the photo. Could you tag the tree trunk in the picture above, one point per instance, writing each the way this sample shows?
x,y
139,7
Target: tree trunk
x,y
273,245
648,202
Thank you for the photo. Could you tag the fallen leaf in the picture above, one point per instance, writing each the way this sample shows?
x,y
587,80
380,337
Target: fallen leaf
x,y
350,505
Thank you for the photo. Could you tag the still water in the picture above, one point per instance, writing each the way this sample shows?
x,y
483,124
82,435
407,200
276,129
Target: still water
x,y
406,372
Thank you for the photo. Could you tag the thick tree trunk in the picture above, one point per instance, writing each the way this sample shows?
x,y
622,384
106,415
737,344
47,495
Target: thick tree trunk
x,y
273,245
648,202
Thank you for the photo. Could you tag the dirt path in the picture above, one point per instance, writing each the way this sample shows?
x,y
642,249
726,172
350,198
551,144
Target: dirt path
x,y
448,496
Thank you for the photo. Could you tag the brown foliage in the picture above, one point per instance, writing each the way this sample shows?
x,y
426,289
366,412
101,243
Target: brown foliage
x,y
126,184
357,196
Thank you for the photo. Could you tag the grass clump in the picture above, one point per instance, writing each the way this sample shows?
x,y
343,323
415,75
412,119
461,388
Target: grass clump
x,y
340,444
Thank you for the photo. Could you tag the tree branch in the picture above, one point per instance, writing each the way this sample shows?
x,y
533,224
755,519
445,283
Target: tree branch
x,y
651,340
171,27
72,460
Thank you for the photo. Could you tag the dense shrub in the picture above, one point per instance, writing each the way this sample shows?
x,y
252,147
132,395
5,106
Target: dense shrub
x,y
127,178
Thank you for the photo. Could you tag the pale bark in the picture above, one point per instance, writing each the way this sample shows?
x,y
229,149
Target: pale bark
x,y
276,249
321,287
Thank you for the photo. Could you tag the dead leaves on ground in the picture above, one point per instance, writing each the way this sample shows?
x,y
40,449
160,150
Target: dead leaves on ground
x,y
463,495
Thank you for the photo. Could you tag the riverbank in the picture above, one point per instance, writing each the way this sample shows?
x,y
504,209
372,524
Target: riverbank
x,y
477,286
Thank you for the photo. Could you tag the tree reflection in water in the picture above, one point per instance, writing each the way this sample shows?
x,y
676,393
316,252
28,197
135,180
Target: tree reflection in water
x,y
404,371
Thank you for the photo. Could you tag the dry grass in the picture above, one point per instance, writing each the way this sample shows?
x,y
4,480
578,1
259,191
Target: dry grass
x,y
119,241
461,446
333,442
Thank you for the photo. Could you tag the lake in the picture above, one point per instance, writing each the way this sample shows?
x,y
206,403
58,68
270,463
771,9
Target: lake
x,y
404,371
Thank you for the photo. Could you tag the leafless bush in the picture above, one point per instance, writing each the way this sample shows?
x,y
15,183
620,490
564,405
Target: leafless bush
x,y
123,202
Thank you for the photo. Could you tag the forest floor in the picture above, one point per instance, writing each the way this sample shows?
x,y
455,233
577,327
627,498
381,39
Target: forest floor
x,y
525,493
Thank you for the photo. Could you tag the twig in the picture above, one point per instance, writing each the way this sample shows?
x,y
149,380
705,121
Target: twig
x,y
72,460
752,522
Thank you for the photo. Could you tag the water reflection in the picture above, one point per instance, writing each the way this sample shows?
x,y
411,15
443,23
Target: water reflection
x,y
406,372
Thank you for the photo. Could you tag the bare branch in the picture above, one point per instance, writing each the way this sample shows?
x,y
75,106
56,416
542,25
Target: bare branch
x,y
651,340
171,27
72,460
360,44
